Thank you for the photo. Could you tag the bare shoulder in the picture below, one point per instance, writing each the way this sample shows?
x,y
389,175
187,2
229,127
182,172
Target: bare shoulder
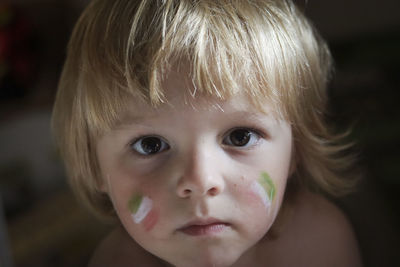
x,y
323,233
120,250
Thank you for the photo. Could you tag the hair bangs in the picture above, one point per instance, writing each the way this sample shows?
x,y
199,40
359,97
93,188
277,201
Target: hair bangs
x,y
263,56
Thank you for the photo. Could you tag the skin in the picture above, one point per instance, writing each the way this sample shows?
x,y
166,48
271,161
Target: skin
x,y
142,211
326,240
265,188
140,207
201,175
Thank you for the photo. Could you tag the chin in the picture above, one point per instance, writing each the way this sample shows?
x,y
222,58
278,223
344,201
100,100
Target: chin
x,y
205,263
206,259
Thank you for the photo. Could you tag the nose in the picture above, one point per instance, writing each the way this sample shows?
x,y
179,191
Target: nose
x,y
201,175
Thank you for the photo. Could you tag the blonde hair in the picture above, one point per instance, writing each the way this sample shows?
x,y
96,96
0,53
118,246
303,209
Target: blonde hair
x,y
122,49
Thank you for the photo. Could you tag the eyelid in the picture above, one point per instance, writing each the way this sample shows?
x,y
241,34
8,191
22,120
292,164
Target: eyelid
x,y
137,139
258,131
259,135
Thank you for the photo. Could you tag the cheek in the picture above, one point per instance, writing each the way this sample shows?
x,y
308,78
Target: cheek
x,y
143,211
265,188
259,192
250,197
151,220
256,214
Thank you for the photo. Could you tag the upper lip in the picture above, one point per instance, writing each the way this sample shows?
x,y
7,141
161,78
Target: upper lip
x,y
202,221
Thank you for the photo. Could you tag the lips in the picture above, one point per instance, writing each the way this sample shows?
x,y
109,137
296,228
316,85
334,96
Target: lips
x,y
206,227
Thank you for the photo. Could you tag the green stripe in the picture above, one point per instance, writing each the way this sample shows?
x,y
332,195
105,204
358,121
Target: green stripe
x,y
134,203
267,183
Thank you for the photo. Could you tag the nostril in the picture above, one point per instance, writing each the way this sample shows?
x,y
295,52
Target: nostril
x,y
184,190
213,191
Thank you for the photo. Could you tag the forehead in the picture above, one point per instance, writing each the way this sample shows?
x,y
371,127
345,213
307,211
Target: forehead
x,y
183,98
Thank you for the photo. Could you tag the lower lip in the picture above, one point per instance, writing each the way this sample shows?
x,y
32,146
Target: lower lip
x,y
203,230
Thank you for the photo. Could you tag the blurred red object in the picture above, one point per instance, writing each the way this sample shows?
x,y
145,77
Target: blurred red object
x,y
16,52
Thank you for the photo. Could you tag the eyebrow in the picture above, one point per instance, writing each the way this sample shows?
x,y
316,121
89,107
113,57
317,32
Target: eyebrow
x,y
129,119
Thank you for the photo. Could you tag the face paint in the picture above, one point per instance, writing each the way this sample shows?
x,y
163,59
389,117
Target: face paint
x,y
265,188
150,221
140,206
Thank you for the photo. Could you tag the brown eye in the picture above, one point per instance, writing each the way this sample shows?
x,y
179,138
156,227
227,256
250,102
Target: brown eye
x,y
241,137
149,145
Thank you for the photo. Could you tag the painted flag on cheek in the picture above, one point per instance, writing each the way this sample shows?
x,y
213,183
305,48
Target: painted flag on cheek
x,y
265,188
269,186
139,207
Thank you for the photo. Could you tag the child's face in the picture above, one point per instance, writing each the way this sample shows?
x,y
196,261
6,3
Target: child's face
x,y
198,182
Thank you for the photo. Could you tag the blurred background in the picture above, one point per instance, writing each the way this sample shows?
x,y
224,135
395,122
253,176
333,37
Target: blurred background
x,y
41,224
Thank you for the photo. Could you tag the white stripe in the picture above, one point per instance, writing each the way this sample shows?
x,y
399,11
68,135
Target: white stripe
x,y
144,208
260,190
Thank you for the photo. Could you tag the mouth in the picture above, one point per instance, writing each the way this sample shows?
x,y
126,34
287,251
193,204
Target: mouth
x,y
206,227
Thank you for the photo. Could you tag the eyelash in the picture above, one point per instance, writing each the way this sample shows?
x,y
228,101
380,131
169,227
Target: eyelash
x,y
254,132
165,146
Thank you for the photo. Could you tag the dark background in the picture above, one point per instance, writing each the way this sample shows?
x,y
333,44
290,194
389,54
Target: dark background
x,y
44,226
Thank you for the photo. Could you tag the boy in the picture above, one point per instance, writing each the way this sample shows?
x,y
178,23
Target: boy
x,y
198,126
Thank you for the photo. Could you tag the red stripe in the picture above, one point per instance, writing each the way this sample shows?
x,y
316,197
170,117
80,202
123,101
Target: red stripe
x,y
150,221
